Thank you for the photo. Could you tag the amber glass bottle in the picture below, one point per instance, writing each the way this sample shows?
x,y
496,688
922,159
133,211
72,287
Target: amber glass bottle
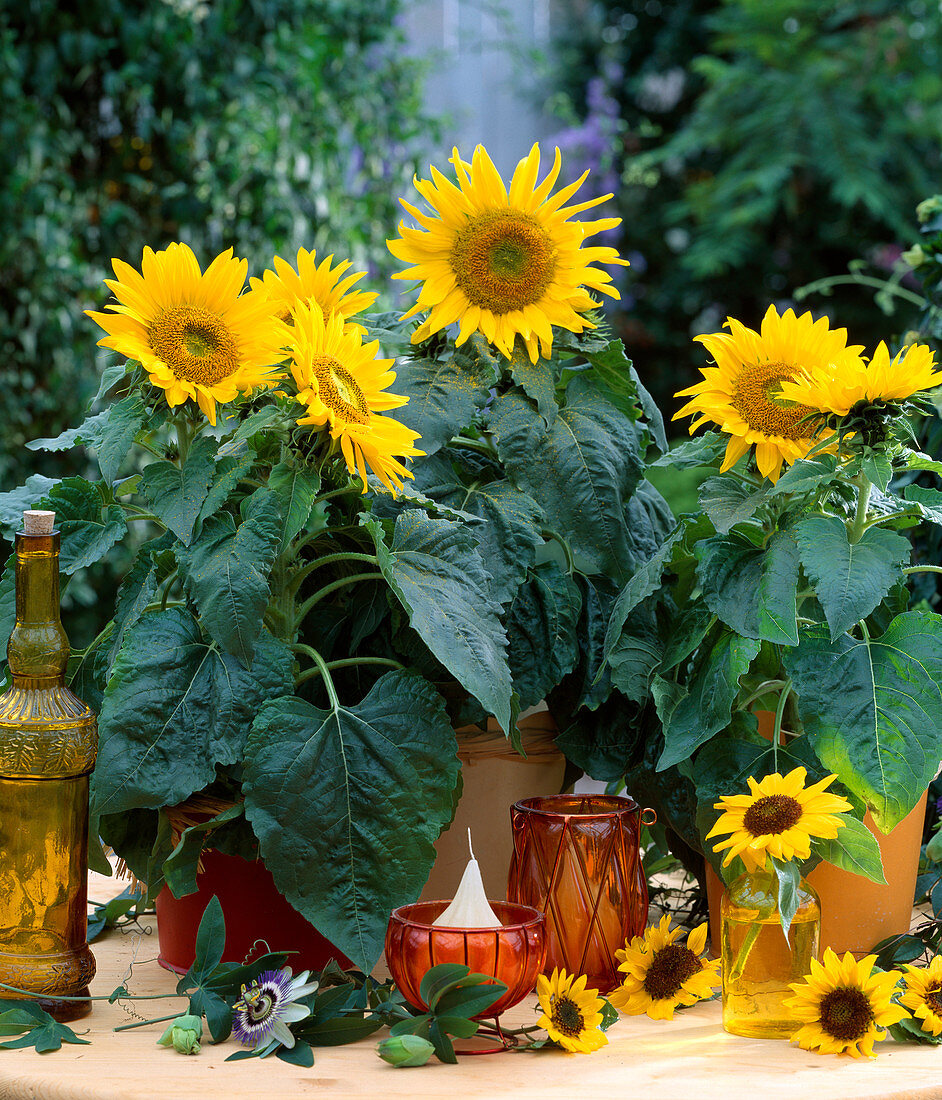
x,y
48,742
758,962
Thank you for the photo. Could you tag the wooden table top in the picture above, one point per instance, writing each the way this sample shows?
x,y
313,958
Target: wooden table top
x,y
689,1058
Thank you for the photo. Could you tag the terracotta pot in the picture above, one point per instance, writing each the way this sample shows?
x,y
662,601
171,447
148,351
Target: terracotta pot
x,y
253,909
494,778
855,912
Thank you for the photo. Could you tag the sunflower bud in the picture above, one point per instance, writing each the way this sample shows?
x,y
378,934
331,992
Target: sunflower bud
x,y
184,1035
405,1050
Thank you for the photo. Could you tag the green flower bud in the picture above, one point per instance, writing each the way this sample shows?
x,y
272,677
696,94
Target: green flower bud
x,y
183,1034
405,1050
928,207
914,256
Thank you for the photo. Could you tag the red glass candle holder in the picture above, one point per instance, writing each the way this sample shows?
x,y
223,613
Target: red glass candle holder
x,y
577,859
512,953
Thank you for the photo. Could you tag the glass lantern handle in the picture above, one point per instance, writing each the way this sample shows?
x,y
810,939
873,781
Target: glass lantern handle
x,y
651,819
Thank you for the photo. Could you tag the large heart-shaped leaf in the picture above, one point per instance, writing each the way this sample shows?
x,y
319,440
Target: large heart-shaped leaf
x,y
729,500
295,488
88,529
581,470
536,380
346,804
226,569
174,708
752,588
444,394
436,572
647,579
872,709
849,578
176,494
623,387
17,501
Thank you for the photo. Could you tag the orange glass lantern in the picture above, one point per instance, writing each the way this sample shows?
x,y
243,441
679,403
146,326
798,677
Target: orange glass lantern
x,y
512,953
577,859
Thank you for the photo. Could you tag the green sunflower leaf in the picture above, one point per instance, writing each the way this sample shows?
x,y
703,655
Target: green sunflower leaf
x,y
854,849
849,579
536,380
728,500
295,489
788,874
872,709
89,529
176,495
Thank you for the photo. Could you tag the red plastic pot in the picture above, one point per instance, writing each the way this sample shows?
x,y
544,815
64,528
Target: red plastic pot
x,y
253,910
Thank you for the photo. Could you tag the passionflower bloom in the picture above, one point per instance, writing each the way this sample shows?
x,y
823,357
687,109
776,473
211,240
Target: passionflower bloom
x,y
778,818
503,262
343,385
195,334
923,995
324,283
266,1007
742,394
661,974
571,1013
883,380
844,1005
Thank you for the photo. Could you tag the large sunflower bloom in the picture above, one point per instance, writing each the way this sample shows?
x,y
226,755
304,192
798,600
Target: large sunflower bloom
x,y
923,995
844,1005
195,334
571,1013
883,379
503,262
742,394
343,385
778,818
660,974
322,283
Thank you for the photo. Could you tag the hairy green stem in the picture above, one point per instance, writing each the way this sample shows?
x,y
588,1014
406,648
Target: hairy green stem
x,y
347,662
865,487
777,729
328,589
923,569
300,647
547,533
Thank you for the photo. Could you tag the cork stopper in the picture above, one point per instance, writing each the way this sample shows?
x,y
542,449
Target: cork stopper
x,y
39,523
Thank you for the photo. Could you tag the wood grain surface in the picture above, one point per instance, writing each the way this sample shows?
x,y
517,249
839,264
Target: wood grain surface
x,y
689,1058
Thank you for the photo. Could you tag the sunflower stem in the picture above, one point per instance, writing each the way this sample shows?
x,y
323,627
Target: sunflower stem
x,y
329,589
566,548
322,668
923,569
777,729
865,488
347,662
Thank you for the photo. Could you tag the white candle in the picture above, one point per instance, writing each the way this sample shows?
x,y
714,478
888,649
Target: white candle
x,y
470,908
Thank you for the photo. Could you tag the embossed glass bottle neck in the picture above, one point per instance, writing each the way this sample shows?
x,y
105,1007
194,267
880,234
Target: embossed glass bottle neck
x,y
38,650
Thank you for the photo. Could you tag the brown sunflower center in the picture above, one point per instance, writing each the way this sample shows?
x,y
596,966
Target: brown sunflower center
x,y
773,813
339,390
503,260
567,1017
195,344
933,999
670,968
846,1014
757,399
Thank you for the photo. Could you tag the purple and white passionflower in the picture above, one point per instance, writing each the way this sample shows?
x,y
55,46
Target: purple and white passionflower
x,y
261,1017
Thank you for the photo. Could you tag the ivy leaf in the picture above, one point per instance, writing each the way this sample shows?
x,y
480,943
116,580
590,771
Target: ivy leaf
x,y
854,849
175,495
225,572
346,804
588,466
174,708
752,588
42,1031
727,500
295,489
445,394
88,529
536,380
543,645
872,709
434,568
849,579
701,711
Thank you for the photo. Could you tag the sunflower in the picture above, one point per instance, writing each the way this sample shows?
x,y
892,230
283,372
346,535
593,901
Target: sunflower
x,y
881,380
843,1005
571,1013
195,334
343,385
503,262
924,994
778,818
314,282
660,974
743,392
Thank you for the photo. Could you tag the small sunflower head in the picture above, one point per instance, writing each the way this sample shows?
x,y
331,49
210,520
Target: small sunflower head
x,y
572,1014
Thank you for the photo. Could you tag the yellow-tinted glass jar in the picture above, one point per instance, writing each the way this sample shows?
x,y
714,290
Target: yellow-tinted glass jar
x,y
758,962
48,743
